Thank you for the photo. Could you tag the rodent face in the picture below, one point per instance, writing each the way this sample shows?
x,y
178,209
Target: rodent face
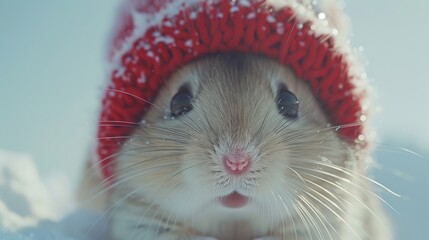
x,y
178,162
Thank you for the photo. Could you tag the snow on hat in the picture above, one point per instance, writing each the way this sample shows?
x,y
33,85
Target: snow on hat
x,y
153,38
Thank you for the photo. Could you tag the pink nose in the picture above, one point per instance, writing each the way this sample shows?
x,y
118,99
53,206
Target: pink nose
x,y
236,162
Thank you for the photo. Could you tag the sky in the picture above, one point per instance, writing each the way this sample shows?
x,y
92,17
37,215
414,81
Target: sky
x,y
52,73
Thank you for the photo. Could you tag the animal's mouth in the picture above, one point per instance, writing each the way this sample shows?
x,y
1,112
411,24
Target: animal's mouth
x,y
234,200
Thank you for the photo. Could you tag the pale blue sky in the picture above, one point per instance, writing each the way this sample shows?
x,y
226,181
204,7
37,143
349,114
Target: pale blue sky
x,y
52,74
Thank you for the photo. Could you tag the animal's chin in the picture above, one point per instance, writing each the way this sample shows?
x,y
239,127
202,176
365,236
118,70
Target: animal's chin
x,y
234,200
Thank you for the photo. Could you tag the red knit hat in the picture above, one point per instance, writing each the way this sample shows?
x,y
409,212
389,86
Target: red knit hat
x,y
153,38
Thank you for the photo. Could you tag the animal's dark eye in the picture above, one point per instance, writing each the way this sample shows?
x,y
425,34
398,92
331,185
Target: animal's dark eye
x,y
181,103
287,103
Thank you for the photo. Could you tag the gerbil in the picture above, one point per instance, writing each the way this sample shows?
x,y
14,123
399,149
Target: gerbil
x,y
234,120
236,147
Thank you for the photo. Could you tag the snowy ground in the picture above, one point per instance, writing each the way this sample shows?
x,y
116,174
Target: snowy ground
x,y
32,209
78,225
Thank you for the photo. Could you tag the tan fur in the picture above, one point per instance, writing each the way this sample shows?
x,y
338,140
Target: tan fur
x,y
305,182
90,186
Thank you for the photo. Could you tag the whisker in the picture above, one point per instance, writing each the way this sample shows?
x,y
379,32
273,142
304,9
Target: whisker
x,y
117,125
319,214
312,208
104,187
172,187
119,122
348,181
107,183
311,219
137,97
396,149
348,172
344,190
278,209
330,209
303,218
122,199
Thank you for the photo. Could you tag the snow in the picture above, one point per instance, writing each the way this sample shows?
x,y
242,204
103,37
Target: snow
x,y
36,209
80,225
188,43
271,19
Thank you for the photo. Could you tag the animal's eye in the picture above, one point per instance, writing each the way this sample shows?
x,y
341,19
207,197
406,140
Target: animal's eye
x,y
181,103
287,103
